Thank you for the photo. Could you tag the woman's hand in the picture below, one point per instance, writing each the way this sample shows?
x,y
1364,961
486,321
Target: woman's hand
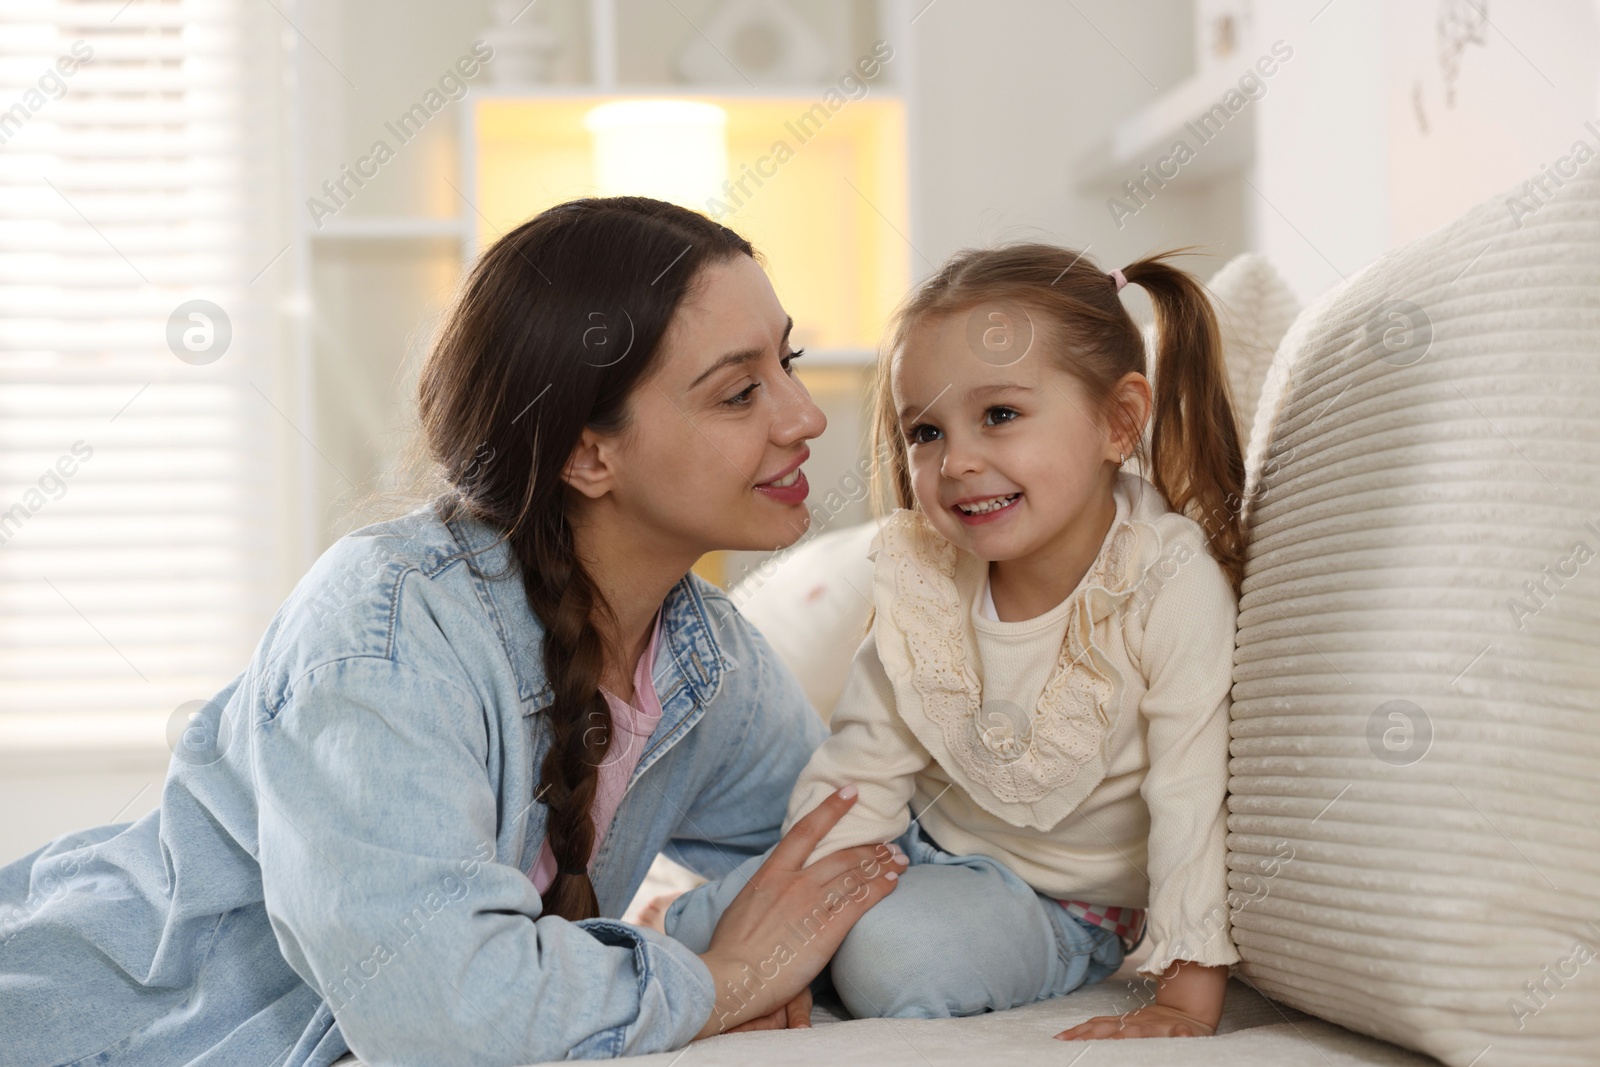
x,y
1188,1004
654,914
794,1015
787,922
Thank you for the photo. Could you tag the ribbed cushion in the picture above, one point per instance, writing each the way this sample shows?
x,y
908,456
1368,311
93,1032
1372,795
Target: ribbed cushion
x,y
1415,801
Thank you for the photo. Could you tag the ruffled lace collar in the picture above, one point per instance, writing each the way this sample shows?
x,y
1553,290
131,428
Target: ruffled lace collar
x,y
924,589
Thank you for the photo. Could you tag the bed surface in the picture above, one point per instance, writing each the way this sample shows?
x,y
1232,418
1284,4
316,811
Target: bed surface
x,y
1255,1032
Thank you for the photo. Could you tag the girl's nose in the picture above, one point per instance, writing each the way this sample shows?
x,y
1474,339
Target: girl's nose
x,y
960,458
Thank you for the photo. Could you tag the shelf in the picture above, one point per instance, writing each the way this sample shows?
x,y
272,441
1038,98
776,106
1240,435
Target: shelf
x,y
396,228
837,357
790,91
1149,135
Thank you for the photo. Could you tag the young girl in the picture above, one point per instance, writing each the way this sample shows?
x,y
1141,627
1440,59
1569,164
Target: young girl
x,y
1039,717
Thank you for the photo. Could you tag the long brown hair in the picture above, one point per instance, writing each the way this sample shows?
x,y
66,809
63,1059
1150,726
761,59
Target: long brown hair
x,y
1194,458
552,329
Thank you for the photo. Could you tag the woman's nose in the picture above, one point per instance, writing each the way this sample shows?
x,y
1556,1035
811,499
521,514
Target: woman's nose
x,y
799,418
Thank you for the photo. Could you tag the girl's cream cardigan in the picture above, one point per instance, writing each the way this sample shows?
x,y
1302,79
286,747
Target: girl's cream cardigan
x,y
1115,793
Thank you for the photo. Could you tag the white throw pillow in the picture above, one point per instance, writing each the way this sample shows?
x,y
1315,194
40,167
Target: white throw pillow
x,y
1415,800
1255,308
811,605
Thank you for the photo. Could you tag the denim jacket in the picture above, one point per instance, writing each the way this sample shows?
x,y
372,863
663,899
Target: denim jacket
x,y
339,862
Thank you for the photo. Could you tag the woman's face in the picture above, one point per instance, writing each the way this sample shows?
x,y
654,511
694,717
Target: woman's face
x,y
711,457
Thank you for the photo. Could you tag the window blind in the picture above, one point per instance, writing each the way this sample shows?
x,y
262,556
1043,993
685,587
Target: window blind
x,y
137,463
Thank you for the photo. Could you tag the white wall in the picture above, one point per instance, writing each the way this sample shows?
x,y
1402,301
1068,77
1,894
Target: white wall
x,y
1008,98
1524,91
1362,147
1322,195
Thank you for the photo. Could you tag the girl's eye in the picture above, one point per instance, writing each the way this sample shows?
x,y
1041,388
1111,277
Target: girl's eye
x,y
921,434
997,415
792,356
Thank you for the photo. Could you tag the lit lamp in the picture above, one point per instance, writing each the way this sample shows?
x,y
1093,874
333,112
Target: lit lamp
x,y
674,150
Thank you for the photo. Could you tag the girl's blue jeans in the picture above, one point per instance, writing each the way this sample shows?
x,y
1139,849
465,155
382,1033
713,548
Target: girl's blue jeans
x,y
959,935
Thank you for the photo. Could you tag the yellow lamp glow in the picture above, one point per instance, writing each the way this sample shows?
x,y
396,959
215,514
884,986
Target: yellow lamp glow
x,y
828,219
674,150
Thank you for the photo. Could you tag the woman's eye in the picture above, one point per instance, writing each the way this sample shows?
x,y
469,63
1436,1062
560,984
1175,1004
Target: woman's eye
x,y
997,415
742,397
921,434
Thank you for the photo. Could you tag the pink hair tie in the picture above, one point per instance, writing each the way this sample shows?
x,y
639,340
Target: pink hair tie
x,y
1117,277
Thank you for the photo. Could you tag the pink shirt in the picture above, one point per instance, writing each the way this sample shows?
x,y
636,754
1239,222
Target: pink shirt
x,y
631,726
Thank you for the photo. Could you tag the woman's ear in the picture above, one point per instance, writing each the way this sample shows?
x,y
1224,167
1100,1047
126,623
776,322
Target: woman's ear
x,y
1130,404
589,470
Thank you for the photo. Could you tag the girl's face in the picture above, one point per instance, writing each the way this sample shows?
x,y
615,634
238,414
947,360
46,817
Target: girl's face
x,y
712,456
1005,452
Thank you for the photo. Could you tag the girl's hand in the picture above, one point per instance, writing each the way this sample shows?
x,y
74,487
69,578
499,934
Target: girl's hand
x,y
786,923
1152,1020
792,1016
1188,1004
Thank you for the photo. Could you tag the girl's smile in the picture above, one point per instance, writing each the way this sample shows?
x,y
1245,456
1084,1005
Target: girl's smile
x,y
981,509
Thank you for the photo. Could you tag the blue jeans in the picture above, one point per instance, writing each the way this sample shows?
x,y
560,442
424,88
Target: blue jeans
x,y
960,935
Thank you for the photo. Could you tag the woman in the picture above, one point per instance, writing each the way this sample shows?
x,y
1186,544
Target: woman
x,y
352,839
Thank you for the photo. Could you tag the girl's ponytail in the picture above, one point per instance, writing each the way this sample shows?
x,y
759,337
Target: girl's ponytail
x,y
1195,456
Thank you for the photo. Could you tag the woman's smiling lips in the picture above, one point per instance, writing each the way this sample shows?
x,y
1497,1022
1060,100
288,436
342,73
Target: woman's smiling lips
x,y
994,512
796,487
